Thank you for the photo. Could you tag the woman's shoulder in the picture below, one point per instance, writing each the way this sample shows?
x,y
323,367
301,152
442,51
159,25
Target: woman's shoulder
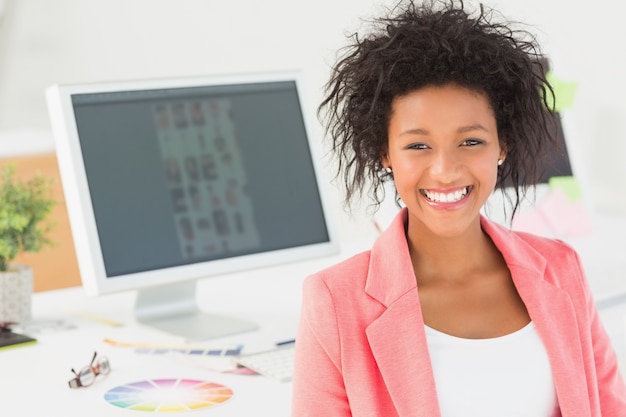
x,y
527,249
562,261
548,246
542,244
347,273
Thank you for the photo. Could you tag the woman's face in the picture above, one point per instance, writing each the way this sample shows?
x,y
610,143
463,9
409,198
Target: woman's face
x,y
443,149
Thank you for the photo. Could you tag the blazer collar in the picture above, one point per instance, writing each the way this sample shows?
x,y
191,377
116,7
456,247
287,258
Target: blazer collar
x,y
552,311
391,281
390,272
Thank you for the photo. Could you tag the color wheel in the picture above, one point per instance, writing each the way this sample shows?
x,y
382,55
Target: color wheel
x,y
168,395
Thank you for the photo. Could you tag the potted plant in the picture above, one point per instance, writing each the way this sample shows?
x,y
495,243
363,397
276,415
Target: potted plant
x,y
24,208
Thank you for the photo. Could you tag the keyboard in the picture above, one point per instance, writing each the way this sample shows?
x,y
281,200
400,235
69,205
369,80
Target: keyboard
x,y
276,364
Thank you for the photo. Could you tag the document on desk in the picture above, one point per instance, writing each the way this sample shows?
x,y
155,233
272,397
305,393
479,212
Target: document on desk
x,y
190,349
219,358
223,363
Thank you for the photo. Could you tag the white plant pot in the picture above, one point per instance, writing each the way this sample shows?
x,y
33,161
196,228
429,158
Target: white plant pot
x,y
16,289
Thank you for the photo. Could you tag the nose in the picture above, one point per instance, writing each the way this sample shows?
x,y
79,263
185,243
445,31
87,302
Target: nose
x,y
444,167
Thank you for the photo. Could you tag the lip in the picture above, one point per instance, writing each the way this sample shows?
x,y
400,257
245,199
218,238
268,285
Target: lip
x,y
445,205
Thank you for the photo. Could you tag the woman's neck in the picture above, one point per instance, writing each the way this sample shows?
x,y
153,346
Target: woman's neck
x,y
453,259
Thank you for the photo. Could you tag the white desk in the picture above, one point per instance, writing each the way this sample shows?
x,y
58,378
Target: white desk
x,y
33,379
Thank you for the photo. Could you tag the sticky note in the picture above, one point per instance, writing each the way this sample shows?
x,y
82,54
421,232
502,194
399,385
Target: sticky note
x,y
531,222
567,218
564,92
569,185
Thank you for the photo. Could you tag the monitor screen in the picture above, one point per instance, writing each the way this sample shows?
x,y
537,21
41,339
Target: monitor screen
x,y
540,199
556,162
170,181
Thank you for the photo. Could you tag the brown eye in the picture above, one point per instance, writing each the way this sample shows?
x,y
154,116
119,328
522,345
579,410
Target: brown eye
x,y
417,146
471,142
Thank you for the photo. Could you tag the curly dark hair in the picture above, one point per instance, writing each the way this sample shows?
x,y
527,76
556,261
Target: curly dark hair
x,y
437,43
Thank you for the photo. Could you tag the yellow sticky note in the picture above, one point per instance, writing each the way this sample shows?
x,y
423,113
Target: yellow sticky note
x,y
569,185
564,92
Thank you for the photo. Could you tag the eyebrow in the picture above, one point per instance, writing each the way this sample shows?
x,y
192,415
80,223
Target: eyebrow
x,y
462,129
476,126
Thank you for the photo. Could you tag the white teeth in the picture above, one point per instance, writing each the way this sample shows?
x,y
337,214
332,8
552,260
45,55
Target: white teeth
x,y
446,197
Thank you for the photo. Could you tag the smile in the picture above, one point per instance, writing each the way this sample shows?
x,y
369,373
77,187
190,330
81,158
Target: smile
x,y
451,197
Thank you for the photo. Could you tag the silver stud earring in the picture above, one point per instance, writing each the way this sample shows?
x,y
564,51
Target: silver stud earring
x,y
500,162
387,170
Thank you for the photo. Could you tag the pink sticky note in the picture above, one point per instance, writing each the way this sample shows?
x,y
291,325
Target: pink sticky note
x,y
565,217
532,222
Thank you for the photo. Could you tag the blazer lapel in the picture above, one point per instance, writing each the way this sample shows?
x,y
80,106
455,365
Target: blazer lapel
x,y
553,314
397,337
398,344
398,340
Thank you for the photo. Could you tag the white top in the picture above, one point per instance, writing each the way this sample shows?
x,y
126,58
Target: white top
x,y
506,376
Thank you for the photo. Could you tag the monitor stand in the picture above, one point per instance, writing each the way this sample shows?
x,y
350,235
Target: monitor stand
x,y
173,308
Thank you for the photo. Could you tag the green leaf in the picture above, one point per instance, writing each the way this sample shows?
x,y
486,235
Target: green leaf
x,y
24,208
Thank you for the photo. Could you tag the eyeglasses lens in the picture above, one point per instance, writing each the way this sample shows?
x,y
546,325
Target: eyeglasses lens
x,y
103,366
86,376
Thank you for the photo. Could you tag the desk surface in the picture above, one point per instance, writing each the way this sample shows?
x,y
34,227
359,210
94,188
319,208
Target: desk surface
x,y
33,379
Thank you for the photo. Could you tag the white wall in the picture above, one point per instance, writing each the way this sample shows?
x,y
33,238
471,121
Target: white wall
x,y
61,41
585,41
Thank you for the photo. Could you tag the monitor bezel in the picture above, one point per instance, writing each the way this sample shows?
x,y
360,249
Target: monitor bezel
x,y
81,212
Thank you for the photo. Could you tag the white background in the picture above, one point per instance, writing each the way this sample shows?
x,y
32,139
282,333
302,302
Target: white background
x,y
43,42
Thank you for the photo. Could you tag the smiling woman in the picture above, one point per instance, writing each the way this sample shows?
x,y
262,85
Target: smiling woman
x,y
443,151
448,314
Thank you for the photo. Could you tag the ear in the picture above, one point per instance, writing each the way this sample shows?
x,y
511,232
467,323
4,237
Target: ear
x,y
502,151
384,161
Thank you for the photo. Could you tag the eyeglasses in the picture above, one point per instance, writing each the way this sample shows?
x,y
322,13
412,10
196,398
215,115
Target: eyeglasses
x,y
88,374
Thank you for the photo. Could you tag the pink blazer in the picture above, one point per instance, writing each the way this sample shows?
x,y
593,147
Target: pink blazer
x,y
361,348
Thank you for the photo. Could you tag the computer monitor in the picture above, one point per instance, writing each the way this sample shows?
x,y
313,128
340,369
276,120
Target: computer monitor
x,y
557,163
173,180
561,160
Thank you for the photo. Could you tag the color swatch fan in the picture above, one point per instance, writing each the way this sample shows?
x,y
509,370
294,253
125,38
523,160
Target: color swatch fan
x,y
168,395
